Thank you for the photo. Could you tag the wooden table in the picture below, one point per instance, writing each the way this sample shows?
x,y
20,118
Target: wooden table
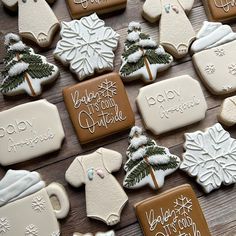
x,y
219,207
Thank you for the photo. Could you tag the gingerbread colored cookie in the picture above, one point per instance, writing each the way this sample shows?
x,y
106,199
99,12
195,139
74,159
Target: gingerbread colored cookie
x,y
109,233
30,27
174,212
227,115
26,208
98,107
220,10
105,198
147,163
214,57
168,105
28,131
210,157
143,58
87,46
79,8
173,18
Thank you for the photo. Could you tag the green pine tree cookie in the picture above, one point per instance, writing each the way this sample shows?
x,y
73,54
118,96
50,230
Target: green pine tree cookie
x,y
147,163
24,71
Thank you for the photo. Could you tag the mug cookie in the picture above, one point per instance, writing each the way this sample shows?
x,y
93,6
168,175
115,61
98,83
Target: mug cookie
x,y
37,21
173,18
109,233
220,10
29,130
147,163
227,115
210,157
214,57
99,107
87,46
174,212
168,105
105,198
26,208
24,71
79,8
143,58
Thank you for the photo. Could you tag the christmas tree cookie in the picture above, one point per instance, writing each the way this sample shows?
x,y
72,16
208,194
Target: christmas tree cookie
x,y
24,71
148,163
143,58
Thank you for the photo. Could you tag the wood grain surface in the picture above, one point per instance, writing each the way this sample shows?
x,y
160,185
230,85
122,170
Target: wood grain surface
x,y
219,207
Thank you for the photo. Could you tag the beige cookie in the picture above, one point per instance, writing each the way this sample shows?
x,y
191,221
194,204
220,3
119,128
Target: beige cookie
x,y
227,115
36,22
168,105
105,198
172,19
214,57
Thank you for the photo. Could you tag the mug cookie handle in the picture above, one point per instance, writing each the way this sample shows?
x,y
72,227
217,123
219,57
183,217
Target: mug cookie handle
x,y
57,190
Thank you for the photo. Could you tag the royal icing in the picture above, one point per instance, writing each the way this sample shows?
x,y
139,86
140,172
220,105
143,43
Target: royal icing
x,y
87,46
26,133
168,105
147,163
143,58
210,157
24,71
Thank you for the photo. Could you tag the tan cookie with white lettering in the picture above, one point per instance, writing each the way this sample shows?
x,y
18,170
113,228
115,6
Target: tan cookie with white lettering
x,y
174,212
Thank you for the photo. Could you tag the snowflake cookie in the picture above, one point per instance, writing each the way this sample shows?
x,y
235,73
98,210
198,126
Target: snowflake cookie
x,y
211,157
143,58
87,46
148,163
24,71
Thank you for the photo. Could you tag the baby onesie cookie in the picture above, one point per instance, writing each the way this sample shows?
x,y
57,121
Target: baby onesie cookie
x,y
99,107
110,233
168,105
26,208
148,163
87,46
79,8
173,19
174,212
227,115
143,58
210,156
214,57
28,131
24,71
220,10
30,27
105,198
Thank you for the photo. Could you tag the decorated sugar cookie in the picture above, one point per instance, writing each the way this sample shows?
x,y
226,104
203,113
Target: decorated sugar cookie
x,y
174,212
210,157
148,163
227,115
214,57
24,71
37,21
105,198
220,10
143,58
110,233
87,46
176,31
79,8
26,208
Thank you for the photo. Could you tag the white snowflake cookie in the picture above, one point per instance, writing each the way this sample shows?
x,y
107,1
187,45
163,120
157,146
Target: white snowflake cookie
x,y
211,157
87,46
143,58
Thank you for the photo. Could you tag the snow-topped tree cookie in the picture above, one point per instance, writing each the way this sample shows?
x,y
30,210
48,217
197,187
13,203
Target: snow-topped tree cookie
x,y
148,163
143,58
24,71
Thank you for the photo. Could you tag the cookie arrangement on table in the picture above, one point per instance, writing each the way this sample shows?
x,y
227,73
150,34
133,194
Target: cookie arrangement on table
x,y
99,107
